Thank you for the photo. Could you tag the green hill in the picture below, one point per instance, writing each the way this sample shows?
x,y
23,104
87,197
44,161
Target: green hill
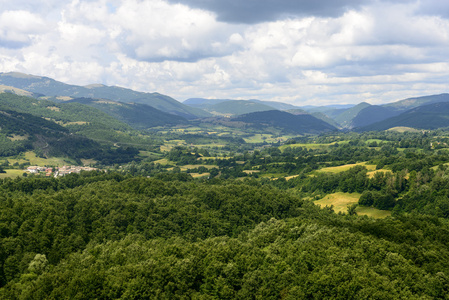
x,y
409,103
298,124
27,132
138,116
431,116
52,88
345,118
373,114
81,120
63,113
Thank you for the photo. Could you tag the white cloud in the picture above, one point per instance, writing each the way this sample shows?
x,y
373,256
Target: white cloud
x,y
19,27
374,53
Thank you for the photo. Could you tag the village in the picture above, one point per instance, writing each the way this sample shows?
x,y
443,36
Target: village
x,y
58,171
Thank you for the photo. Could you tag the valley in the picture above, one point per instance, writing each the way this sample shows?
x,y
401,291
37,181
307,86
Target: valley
x,y
219,198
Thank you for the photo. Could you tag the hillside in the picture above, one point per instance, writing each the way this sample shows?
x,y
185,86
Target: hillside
x,y
63,113
138,116
80,120
27,132
345,118
298,124
409,103
431,116
373,114
55,89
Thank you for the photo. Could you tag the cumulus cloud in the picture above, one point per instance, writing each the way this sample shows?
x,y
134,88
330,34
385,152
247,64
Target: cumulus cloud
x,y
294,51
19,27
256,11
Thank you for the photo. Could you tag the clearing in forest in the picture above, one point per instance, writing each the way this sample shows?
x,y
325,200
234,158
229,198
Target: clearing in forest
x,y
340,202
342,168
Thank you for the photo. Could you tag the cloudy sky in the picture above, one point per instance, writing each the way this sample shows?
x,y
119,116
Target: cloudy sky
x,y
304,52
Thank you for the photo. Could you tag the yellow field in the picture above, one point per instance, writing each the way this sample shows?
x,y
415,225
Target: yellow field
x,y
312,146
198,175
186,167
340,201
403,129
18,137
339,169
250,171
260,138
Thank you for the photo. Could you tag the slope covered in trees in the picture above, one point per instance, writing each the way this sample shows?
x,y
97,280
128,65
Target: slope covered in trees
x,y
52,88
107,236
298,124
430,116
138,116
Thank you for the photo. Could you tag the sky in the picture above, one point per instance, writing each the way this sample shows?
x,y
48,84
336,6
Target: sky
x,y
302,52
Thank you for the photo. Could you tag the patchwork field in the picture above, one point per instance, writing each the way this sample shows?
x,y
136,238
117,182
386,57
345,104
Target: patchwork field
x,y
340,202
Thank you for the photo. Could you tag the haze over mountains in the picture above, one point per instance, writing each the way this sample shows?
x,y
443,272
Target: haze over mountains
x,y
145,110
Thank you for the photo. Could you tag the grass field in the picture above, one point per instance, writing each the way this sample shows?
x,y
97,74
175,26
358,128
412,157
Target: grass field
x,y
186,167
39,161
260,138
340,201
168,145
11,173
18,137
342,168
312,146
372,212
403,129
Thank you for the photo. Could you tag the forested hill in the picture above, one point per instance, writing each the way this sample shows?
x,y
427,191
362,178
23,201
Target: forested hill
x,y
49,87
291,123
64,113
106,236
431,116
138,116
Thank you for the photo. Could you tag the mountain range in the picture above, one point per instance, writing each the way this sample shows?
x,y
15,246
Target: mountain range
x,y
144,110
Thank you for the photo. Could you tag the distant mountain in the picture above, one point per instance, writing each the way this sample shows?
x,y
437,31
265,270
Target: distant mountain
x,y
373,114
212,105
317,115
52,88
431,116
409,103
345,118
298,124
138,116
203,103
326,107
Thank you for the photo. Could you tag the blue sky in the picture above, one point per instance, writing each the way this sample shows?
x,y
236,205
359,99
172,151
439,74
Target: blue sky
x,y
295,51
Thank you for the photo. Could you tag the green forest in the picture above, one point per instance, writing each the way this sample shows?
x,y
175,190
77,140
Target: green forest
x,y
241,221
238,208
